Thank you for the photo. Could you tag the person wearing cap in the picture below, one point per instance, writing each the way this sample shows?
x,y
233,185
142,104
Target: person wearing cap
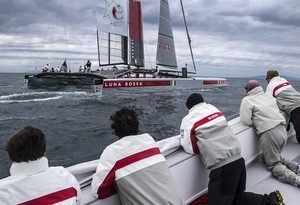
x,y
288,99
259,109
133,166
204,130
32,181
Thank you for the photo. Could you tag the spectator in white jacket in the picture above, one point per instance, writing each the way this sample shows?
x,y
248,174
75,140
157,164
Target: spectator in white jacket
x,y
287,98
204,130
133,166
259,110
32,181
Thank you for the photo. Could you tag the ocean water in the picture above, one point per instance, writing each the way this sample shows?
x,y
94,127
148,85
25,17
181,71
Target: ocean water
x,y
76,122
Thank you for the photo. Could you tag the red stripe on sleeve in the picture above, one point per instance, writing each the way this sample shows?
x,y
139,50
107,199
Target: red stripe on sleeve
x,y
107,188
53,198
279,86
199,123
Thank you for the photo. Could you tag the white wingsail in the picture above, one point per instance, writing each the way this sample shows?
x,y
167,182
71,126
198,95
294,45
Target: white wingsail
x,y
112,17
122,21
121,27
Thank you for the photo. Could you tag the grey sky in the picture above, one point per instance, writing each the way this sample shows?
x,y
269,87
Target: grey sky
x,y
229,37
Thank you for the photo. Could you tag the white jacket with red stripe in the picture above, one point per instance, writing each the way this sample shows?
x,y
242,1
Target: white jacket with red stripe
x,y
287,97
259,110
134,168
206,130
35,182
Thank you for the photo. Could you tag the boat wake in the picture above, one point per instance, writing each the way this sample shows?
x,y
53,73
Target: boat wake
x,y
39,96
4,119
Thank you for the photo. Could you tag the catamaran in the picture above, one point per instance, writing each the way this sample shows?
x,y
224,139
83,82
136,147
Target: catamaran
x,y
121,55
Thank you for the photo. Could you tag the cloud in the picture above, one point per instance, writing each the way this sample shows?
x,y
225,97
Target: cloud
x,y
229,38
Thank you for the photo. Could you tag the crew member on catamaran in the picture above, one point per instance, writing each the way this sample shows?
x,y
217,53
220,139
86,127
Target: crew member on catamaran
x,y
64,67
46,69
56,69
88,66
155,72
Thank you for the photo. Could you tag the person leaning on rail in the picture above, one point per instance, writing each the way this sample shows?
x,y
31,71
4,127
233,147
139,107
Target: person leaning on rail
x,y
32,181
259,110
288,99
133,166
204,130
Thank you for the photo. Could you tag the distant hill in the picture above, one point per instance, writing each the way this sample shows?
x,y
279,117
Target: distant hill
x,y
284,76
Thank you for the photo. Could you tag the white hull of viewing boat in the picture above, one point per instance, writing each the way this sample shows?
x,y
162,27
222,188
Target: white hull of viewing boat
x,y
191,176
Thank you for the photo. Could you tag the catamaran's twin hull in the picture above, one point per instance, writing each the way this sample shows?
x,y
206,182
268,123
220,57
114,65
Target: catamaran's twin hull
x,y
191,176
138,85
101,85
49,80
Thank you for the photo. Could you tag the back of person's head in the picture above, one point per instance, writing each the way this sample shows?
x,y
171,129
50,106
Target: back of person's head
x,y
27,145
272,73
193,100
124,122
251,84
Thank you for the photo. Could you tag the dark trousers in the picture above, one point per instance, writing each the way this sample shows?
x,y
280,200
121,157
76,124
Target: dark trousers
x,y
227,186
295,119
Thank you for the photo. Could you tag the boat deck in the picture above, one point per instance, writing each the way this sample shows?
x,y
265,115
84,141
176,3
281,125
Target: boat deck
x,y
110,74
259,180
